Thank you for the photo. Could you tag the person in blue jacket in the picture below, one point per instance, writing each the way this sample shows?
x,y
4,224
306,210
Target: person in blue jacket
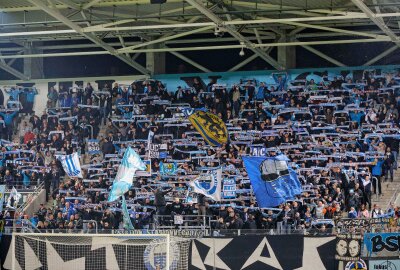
x,y
8,118
14,92
377,175
30,98
26,179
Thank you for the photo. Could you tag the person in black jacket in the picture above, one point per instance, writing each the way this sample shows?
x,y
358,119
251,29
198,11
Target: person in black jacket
x,y
250,223
236,223
177,207
389,164
159,200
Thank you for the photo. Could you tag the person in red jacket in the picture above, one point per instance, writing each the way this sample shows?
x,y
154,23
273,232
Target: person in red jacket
x,y
29,136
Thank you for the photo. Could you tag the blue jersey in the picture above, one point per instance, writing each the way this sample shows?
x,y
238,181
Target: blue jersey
x,y
30,96
8,117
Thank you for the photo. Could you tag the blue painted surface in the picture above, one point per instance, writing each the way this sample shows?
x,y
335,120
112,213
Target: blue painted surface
x,y
172,81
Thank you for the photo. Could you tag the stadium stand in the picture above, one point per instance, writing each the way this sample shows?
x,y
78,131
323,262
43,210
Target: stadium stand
x,y
341,136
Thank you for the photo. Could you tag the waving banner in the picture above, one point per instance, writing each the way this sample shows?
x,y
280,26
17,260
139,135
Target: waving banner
x,y
272,180
71,165
168,168
209,185
210,126
130,163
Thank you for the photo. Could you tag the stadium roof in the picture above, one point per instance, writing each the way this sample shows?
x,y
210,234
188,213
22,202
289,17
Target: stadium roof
x,y
126,28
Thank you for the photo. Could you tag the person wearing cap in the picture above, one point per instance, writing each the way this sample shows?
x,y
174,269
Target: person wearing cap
x,y
179,94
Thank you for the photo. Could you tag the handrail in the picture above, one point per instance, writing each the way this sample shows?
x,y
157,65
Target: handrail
x,y
30,197
204,219
25,225
394,197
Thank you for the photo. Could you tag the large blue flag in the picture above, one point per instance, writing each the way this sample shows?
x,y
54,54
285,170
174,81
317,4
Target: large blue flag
x,y
272,180
131,162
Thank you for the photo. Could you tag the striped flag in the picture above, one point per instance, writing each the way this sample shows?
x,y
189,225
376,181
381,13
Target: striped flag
x,y
131,162
71,165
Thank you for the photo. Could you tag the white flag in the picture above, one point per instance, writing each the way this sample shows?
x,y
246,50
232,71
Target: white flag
x,y
209,185
149,141
15,196
71,165
131,162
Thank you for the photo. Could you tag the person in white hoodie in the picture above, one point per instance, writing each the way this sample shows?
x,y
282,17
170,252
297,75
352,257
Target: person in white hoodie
x,y
376,212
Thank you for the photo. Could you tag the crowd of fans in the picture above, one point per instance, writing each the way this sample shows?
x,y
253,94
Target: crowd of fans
x,y
341,136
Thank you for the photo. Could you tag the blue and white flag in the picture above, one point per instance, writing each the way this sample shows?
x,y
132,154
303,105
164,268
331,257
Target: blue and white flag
x,y
2,193
168,168
272,180
131,162
71,165
229,188
209,185
13,199
93,147
126,217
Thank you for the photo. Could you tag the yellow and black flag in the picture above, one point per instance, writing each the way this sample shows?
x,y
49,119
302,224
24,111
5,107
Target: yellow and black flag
x,y
210,126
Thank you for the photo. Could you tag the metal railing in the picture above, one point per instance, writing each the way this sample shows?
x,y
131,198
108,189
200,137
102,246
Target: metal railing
x,y
30,197
394,197
182,221
25,225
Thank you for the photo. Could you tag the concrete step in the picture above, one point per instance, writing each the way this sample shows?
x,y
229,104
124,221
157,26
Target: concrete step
x,y
388,189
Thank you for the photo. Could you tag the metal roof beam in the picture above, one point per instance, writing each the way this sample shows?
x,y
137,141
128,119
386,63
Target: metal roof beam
x,y
200,48
381,55
247,60
90,4
336,30
166,38
323,56
7,67
70,4
102,28
118,44
190,61
377,20
12,61
57,15
231,30
243,63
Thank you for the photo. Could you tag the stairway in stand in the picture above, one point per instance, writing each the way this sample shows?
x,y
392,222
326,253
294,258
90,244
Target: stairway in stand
x,y
389,190
22,118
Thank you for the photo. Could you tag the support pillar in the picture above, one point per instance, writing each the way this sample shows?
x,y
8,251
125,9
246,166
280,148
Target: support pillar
x,y
287,54
155,61
33,67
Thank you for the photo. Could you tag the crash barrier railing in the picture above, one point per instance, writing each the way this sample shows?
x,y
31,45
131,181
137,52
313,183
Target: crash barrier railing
x,y
182,222
7,226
